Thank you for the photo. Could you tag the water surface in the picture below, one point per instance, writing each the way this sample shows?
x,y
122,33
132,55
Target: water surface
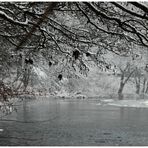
x,y
52,122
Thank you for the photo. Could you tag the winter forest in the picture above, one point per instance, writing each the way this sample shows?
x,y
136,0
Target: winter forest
x,y
75,52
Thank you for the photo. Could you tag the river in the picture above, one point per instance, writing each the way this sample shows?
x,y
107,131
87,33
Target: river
x,y
55,122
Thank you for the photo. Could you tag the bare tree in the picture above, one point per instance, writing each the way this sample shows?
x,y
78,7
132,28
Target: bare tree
x,y
126,73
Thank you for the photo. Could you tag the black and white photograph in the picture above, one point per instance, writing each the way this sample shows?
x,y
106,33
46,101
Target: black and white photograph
x,y
73,73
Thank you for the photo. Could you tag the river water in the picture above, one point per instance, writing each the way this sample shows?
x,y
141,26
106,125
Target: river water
x,y
57,122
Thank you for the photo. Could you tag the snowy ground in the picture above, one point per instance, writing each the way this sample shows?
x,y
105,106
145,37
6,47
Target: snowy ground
x,y
143,103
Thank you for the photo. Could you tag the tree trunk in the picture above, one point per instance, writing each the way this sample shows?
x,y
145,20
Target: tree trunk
x,y
137,89
120,91
146,91
26,78
137,85
144,81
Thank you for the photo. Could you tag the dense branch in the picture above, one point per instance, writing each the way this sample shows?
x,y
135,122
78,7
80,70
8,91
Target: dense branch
x,y
89,21
121,24
11,20
128,11
140,6
47,12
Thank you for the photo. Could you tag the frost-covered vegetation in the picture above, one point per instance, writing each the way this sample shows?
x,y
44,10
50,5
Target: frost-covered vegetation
x,y
74,50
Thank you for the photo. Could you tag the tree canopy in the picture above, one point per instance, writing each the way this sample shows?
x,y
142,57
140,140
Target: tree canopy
x,y
67,33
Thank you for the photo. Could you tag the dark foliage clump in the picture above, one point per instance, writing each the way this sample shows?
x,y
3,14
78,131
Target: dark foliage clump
x,y
88,54
60,76
29,61
107,66
20,55
76,54
50,63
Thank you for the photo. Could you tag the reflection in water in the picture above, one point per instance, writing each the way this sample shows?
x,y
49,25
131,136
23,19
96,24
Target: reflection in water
x,y
25,114
138,115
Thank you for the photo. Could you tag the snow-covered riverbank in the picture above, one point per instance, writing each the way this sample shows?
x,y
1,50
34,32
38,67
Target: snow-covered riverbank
x,y
138,103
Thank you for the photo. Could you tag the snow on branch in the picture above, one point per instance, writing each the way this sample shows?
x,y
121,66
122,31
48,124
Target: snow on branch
x,y
6,9
11,20
128,11
123,25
